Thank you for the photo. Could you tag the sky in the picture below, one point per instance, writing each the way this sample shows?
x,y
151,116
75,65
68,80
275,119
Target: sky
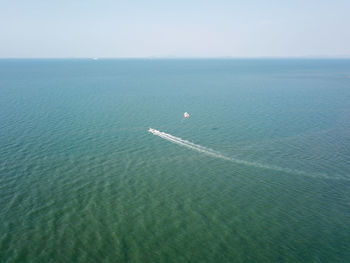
x,y
181,28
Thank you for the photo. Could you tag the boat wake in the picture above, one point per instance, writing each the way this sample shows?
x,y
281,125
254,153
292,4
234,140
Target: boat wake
x,y
217,154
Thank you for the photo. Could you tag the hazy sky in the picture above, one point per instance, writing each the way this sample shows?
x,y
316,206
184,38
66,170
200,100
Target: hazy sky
x,y
181,28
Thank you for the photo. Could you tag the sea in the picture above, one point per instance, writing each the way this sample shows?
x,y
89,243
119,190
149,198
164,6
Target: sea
x,y
259,172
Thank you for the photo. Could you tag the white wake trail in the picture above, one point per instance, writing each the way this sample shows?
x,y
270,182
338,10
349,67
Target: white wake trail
x,y
188,144
217,154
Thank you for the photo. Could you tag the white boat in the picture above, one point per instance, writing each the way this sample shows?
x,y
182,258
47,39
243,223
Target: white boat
x,y
151,130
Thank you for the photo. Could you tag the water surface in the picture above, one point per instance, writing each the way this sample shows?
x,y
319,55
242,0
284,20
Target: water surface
x,y
82,179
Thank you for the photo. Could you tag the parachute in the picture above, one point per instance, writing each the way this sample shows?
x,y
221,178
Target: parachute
x,y
186,115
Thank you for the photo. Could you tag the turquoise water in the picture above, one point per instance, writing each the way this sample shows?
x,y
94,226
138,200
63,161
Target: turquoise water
x,y
82,179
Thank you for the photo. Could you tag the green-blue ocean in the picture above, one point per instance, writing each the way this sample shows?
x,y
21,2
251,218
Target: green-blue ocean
x,y
259,172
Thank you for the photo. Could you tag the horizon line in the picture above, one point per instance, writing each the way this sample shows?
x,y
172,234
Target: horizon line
x,y
189,57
